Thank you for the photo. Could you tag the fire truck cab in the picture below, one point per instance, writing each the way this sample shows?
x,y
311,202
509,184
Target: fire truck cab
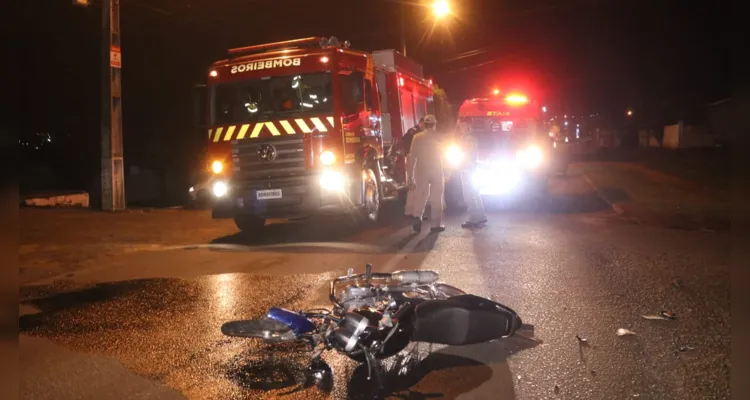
x,y
308,126
513,148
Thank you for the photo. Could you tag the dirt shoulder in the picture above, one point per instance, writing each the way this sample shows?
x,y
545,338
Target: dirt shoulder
x,y
651,196
57,241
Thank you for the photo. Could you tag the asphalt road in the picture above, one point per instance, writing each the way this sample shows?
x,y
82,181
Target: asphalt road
x,y
145,324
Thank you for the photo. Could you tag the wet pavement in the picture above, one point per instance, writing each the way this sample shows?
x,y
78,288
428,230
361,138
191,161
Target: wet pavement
x,y
146,324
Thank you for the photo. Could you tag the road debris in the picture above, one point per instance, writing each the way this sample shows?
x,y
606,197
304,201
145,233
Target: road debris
x,y
593,373
686,348
557,389
653,316
677,283
625,332
668,315
582,340
663,315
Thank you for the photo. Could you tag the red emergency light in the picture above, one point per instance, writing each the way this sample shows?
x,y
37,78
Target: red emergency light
x,y
516,99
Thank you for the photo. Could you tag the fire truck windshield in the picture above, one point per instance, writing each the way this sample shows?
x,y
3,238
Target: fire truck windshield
x,y
261,98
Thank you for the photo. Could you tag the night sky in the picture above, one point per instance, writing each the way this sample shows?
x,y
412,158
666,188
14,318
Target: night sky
x,y
577,56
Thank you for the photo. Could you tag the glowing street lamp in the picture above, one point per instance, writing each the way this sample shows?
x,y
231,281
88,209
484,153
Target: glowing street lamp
x,y
496,92
441,8
630,113
544,109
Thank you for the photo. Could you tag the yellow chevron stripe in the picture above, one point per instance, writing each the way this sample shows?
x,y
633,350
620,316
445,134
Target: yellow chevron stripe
x,y
287,127
302,125
319,124
273,129
217,136
330,120
256,130
209,133
229,133
243,130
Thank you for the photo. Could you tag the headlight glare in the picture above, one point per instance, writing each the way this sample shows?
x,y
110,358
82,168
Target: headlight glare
x,y
454,155
220,188
332,180
217,166
530,156
327,158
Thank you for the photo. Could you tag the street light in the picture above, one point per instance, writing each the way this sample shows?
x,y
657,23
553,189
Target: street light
x,y
496,92
630,113
441,8
544,109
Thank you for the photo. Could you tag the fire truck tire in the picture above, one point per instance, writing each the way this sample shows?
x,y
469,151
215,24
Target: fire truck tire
x,y
249,224
370,211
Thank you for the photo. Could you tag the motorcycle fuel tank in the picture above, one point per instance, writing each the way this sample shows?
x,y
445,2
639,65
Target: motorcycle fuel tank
x,y
462,320
295,322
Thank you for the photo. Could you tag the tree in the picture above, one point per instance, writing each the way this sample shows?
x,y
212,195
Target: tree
x,y
443,109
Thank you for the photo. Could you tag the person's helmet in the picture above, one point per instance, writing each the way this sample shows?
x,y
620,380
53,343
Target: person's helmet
x,y
430,119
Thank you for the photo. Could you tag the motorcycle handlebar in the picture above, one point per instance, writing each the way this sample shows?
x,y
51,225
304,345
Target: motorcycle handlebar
x,y
416,277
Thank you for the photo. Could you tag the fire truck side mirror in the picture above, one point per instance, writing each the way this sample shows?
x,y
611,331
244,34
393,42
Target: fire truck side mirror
x,y
199,97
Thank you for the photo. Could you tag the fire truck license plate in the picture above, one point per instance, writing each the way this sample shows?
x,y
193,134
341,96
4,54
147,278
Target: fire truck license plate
x,y
268,194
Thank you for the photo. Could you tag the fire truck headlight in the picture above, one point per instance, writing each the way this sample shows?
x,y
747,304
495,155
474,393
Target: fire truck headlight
x,y
530,156
332,180
220,188
454,155
327,158
217,166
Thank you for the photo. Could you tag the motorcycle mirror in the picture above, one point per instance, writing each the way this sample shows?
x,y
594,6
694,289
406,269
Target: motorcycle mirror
x,y
368,271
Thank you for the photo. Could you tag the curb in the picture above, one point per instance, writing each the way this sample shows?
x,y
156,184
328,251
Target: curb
x,y
601,195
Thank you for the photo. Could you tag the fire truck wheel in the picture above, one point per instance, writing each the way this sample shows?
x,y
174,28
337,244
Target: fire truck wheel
x,y
249,223
371,206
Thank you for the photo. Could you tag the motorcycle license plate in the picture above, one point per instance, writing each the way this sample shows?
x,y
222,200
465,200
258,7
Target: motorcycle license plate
x,y
268,194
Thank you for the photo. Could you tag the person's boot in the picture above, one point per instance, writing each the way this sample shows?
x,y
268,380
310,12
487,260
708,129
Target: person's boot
x,y
470,224
417,225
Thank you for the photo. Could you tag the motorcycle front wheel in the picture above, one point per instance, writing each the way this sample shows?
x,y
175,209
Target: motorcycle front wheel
x,y
255,328
398,341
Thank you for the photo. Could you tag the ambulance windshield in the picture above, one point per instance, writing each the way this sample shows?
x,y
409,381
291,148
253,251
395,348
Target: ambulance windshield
x,y
263,98
491,131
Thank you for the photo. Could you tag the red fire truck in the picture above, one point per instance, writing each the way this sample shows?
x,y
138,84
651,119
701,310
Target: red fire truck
x,y
309,126
513,147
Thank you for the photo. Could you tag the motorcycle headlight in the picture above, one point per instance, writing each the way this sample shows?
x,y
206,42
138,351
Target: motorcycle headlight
x,y
454,155
530,156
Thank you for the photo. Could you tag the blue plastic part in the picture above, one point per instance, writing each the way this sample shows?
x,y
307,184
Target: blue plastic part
x,y
296,322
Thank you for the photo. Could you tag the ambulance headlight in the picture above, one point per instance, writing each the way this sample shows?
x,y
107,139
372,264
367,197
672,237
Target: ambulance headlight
x,y
332,180
496,180
530,157
454,155
220,188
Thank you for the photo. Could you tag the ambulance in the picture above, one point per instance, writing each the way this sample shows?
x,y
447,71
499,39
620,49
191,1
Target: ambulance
x,y
513,158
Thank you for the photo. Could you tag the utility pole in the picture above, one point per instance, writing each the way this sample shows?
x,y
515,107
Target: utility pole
x,y
402,18
113,169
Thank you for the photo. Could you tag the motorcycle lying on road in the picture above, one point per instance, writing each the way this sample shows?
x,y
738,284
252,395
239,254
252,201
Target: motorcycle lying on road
x,y
376,315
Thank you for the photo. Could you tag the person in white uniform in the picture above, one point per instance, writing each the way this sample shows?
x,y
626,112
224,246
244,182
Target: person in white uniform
x,y
471,195
424,170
